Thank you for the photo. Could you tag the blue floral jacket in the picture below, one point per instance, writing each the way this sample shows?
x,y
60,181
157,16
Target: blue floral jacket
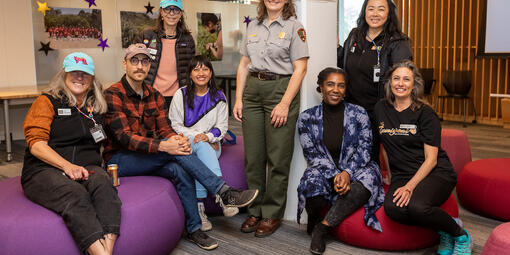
x,y
354,158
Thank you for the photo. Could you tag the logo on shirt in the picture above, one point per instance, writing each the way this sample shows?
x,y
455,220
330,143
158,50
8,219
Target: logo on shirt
x,y
403,129
302,34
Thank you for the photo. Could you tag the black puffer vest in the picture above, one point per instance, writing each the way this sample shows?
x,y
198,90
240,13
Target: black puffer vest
x,y
70,137
184,51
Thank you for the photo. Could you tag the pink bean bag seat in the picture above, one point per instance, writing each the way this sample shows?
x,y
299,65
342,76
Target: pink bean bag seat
x,y
499,241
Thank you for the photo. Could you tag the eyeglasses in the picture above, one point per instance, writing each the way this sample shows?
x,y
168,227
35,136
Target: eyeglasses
x,y
134,61
172,10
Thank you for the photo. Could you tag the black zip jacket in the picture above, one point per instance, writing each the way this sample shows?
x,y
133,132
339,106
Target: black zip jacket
x,y
184,51
397,49
70,137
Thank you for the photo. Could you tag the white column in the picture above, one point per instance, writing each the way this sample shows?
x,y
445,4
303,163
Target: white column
x,y
319,17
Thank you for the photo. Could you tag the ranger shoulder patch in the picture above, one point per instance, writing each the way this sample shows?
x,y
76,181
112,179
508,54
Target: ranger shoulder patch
x,y
302,34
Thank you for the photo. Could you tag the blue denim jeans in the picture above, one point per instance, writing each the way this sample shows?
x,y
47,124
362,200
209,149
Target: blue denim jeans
x,y
209,157
181,170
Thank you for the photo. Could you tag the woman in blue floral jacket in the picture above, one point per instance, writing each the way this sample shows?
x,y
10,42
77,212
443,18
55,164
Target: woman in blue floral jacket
x,y
337,141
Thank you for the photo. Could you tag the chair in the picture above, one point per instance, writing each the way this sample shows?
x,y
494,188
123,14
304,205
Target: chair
x,y
457,85
428,78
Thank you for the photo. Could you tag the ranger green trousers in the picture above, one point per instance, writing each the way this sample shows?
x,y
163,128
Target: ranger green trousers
x,y
266,146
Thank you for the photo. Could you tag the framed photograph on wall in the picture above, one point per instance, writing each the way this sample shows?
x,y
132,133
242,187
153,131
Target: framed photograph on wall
x,y
73,27
133,23
209,35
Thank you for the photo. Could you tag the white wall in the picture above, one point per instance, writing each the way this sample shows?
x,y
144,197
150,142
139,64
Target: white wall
x,y
17,66
16,49
319,18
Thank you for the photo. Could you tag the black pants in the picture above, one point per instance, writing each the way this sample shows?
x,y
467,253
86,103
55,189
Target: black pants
x,y
423,208
343,207
90,209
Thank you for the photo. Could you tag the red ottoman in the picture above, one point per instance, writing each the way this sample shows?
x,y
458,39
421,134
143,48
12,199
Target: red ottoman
x,y
499,241
483,187
395,236
456,145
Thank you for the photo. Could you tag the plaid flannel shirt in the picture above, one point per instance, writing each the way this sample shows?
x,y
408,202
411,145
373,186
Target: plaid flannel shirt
x,y
134,122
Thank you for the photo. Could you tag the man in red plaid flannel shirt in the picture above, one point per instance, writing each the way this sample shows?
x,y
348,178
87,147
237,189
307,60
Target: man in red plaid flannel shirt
x,y
141,142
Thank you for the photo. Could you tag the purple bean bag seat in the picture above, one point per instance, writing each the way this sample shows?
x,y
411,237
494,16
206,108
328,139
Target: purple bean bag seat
x,y
232,169
152,220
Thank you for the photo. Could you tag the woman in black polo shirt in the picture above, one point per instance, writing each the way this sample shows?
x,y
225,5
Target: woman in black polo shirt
x,y
422,177
371,48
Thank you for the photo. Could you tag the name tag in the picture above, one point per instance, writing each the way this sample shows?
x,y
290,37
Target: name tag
x,y
153,51
408,126
97,133
64,111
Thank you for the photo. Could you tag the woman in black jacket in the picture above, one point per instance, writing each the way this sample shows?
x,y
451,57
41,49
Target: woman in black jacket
x,y
171,45
370,49
62,166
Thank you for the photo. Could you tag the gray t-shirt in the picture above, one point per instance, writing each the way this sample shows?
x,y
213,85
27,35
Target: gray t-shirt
x,y
273,48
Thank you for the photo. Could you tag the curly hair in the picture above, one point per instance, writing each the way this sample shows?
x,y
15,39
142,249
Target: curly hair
x,y
289,10
199,60
417,100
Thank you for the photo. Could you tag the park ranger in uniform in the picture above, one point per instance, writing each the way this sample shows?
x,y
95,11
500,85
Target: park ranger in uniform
x,y
273,65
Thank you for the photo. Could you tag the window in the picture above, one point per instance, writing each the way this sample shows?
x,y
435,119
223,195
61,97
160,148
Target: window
x,y
348,13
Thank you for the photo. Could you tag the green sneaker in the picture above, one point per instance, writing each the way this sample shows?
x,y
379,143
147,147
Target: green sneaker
x,y
463,244
446,244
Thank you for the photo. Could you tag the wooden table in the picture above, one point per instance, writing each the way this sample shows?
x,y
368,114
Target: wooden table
x,y
226,82
21,95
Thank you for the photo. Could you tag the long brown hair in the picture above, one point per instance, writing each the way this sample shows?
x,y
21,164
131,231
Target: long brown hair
x,y
181,25
417,100
289,10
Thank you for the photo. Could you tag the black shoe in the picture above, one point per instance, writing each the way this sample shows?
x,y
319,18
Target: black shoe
x,y
318,245
237,198
202,240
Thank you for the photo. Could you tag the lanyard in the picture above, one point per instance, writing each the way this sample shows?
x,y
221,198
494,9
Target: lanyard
x,y
377,49
90,109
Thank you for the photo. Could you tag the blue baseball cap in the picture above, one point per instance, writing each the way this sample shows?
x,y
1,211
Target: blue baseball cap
x,y
165,3
79,61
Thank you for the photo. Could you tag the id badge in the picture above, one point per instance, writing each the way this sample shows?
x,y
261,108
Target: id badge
x,y
98,133
377,73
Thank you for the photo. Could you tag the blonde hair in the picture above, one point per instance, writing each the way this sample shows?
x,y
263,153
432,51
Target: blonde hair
x,y
59,90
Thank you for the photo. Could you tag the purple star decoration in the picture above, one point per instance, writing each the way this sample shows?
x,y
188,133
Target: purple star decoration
x,y
91,2
103,43
247,20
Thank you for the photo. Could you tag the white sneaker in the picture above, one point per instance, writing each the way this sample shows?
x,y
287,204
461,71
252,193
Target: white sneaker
x,y
206,224
227,211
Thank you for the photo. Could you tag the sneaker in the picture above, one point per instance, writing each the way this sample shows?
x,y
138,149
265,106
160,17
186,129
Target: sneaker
x,y
463,244
227,211
206,224
202,240
237,198
318,245
446,244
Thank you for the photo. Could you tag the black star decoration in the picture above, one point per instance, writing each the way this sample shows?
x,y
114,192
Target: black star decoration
x,y
45,47
149,8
